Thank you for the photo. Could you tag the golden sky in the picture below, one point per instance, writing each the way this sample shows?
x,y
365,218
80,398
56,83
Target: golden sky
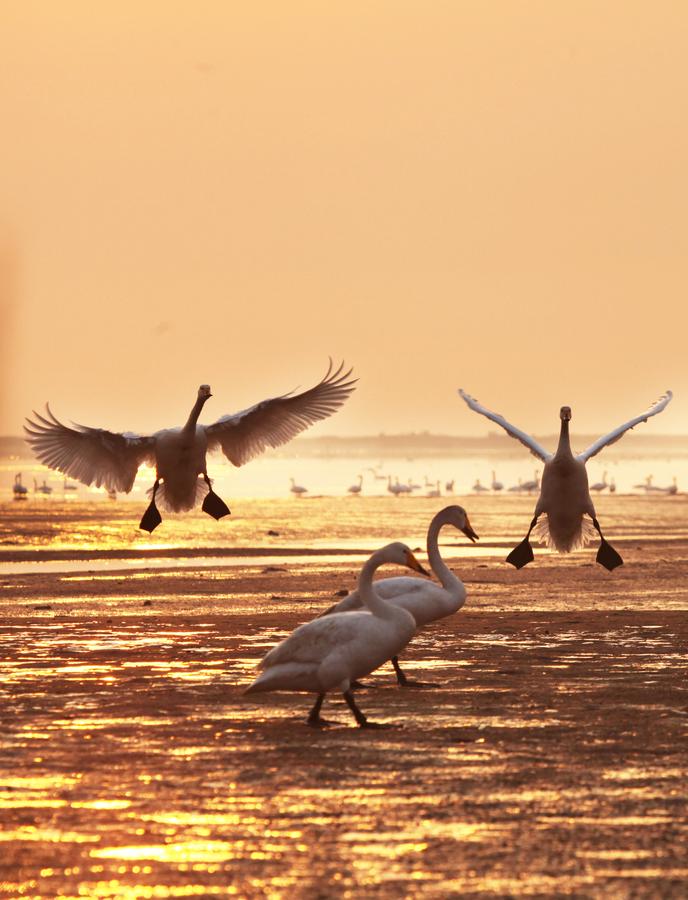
x,y
491,195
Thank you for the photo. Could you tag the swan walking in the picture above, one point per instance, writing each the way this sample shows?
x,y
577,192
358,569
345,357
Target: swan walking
x,y
426,601
111,460
564,495
330,652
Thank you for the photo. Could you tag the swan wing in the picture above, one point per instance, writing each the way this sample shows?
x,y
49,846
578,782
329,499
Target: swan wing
x,y
270,423
619,432
510,429
311,642
91,455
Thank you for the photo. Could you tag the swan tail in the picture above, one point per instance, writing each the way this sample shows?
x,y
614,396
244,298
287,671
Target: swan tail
x,y
171,498
285,677
573,539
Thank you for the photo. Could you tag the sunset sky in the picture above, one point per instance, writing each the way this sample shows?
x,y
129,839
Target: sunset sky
x,y
492,195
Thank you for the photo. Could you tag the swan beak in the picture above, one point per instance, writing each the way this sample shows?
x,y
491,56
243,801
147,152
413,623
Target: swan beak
x,y
413,563
468,531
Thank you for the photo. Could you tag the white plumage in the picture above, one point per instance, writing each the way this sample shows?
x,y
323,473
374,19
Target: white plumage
x,y
427,602
330,652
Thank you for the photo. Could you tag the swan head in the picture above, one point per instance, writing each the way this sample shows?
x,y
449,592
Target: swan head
x,y
401,554
458,517
565,414
204,392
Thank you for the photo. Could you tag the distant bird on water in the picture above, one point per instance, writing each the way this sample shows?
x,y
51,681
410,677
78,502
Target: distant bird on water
x,y
19,490
600,485
564,496
297,489
111,460
355,489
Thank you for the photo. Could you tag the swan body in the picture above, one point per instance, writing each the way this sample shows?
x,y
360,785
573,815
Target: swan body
x,y
18,489
426,601
111,460
600,485
355,489
330,652
435,492
298,490
564,493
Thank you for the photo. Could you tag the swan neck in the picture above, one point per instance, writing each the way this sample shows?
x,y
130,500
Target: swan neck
x,y
194,414
448,579
366,591
564,448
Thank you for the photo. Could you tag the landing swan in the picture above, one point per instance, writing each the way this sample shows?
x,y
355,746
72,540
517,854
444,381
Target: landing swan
x,y
564,494
329,653
427,602
111,459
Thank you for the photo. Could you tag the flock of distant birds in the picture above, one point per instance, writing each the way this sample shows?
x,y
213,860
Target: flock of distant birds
x,y
375,623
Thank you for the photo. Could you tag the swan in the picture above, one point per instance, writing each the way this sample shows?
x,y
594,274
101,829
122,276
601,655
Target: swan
x,y
297,489
355,489
435,492
396,489
530,486
18,489
41,488
478,487
612,486
564,496
496,485
330,652
179,454
427,602
600,485
449,487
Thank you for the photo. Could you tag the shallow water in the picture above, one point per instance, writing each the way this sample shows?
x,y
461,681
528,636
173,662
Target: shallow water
x,y
548,759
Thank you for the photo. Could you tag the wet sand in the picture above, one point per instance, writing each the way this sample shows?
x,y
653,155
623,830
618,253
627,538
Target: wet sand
x,y
549,759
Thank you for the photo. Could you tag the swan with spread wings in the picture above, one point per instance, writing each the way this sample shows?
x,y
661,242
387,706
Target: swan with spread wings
x,y
564,493
111,460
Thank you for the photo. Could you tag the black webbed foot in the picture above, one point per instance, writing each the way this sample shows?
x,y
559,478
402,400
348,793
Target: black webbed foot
x,y
214,506
521,555
151,518
317,722
608,557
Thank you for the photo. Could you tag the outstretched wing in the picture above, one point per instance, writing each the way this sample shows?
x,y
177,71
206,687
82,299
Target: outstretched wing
x,y
619,432
510,429
90,455
274,422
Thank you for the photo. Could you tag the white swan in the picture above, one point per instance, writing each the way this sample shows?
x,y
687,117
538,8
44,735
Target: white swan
x,y
298,490
478,487
356,489
111,460
600,485
435,492
496,485
427,602
18,489
564,496
329,653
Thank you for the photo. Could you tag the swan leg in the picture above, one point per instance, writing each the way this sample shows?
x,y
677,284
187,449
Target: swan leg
x,y
606,555
358,715
521,555
403,680
151,518
212,504
314,719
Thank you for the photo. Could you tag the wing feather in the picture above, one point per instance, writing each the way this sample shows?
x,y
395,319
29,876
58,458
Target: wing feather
x,y
510,429
619,432
273,422
90,455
